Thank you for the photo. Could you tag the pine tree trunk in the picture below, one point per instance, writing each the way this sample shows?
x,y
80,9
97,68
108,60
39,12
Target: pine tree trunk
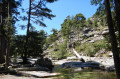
x,y
2,52
2,37
27,35
117,11
113,39
7,53
8,36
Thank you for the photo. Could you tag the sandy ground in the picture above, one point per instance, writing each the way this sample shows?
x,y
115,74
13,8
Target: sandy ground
x,y
18,77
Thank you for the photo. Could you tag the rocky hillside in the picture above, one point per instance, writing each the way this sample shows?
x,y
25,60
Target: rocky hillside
x,y
90,42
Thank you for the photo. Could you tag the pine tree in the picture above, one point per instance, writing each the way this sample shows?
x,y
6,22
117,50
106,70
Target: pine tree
x,y
117,12
8,8
113,39
37,12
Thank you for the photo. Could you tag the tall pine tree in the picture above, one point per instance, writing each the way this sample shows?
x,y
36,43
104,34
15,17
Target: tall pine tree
x,y
37,12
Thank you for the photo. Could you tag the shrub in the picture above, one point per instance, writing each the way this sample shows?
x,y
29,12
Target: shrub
x,y
62,52
90,49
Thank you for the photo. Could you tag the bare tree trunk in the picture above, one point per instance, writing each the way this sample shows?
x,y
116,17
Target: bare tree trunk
x,y
113,39
2,48
2,37
2,53
117,11
7,53
8,36
27,35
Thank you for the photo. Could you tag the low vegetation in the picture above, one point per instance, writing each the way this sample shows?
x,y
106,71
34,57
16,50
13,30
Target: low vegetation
x,y
85,74
60,51
90,49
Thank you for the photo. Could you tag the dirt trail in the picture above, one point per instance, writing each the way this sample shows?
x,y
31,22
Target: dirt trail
x,y
18,77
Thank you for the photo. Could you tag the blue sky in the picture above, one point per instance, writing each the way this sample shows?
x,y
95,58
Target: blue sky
x,y
61,8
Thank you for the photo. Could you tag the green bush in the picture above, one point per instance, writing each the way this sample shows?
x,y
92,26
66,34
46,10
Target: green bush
x,y
91,49
62,52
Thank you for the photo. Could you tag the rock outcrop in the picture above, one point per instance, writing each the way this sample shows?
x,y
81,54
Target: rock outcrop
x,y
88,36
103,63
45,62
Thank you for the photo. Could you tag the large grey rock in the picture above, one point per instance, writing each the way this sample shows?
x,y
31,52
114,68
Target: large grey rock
x,y
91,64
44,62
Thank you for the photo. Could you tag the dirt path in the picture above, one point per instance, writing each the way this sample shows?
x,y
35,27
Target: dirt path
x,y
18,77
